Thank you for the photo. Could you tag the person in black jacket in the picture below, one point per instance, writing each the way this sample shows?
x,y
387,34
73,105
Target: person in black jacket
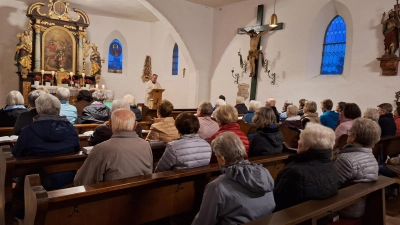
x,y
14,107
386,120
97,112
26,118
268,139
132,103
270,103
310,174
240,106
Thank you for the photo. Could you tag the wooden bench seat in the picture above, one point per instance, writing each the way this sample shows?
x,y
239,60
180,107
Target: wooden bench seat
x,y
134,200
11,167
309,212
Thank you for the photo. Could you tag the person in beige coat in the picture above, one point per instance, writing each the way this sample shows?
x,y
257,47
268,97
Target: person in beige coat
x,y
124,155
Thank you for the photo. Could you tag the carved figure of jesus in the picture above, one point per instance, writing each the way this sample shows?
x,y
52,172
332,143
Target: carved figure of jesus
x,y
253,52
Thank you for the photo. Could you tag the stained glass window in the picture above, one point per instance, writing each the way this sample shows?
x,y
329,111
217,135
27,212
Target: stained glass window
x,y
334,47
115,57
175,60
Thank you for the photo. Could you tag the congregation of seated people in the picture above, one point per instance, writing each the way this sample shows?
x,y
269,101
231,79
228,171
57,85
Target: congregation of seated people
x,y
244,191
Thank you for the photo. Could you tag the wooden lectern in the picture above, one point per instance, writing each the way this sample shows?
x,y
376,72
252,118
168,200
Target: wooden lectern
x,y
157,97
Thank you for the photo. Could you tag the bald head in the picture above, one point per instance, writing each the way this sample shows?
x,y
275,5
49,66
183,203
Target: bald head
x,y
123,119
270,102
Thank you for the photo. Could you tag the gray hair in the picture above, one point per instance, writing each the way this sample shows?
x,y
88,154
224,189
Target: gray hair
x,y
48,104
220,102
240,99
14,98
109,94
63,93
119,104
367,132
292,110
317,136
205,108
98,95
372,114
229,145
123,119
254,105
33,95
130,99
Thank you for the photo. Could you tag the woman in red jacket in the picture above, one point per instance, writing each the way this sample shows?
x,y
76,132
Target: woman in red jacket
x,y
227,116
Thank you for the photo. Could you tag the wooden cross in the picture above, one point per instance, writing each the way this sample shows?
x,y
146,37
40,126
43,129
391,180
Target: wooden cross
x,y
259,28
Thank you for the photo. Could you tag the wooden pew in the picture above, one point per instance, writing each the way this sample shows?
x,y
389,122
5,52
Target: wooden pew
x,y
246,127
82,128
152,113
309,212
11,167
290,136
342,141
133,200
6,131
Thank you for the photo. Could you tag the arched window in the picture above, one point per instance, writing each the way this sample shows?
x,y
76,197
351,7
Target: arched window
x,y
175,60
334,47
115,57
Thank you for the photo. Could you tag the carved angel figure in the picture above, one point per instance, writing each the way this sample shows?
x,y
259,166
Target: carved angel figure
x,y
23,51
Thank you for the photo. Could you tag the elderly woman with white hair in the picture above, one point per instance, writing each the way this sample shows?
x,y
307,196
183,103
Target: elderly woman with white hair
x,y
109,98
356,163
50,134
242,193
240,106
372,114
293,119
133,107
66,109
14,107
253,106
310,174
26,118
97,112
218,103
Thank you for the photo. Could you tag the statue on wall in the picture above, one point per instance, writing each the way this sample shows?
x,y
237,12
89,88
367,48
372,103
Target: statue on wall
x,y
253,52
391,33
95,61
23,51
147,73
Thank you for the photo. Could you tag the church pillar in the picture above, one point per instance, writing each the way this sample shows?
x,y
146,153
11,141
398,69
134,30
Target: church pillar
x,y
37,48
80,52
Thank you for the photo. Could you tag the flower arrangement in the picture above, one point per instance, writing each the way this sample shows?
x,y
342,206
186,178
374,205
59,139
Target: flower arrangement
x,y
76,81
65,81
37,78
48,79
88,81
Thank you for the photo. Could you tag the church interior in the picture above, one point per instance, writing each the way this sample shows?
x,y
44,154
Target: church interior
x,y
199,50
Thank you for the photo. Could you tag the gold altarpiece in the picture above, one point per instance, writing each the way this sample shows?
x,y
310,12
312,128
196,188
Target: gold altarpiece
x,y
55,41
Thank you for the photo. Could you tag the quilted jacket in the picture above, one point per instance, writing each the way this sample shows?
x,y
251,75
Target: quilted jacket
x,y
355,165
189,151
310,175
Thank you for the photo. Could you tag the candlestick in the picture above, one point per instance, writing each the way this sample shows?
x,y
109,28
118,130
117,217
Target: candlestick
x,y
83,78
97,86
103,87
42,71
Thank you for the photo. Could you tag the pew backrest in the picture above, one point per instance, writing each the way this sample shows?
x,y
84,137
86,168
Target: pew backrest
x,y
290,136
82,128
342,141
138,199
247,128
309,212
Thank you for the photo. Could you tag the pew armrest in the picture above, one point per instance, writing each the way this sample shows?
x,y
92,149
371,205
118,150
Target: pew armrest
x,y
36,201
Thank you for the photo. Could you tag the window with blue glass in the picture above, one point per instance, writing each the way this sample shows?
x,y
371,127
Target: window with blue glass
x,y
175,60
115,57
334,50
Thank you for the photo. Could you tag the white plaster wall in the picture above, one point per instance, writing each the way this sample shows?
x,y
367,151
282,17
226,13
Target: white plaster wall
x,y
296,51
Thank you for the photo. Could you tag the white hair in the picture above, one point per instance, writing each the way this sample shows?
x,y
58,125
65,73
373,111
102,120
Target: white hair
x,y
292,110
14,98
98,95
119,104
63,93
33,95
130,99
123,119
240,99
109,94
317,136
254,105
229,145
220,102
48,104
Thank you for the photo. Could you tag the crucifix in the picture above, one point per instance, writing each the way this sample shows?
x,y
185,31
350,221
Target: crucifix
x,y
255,33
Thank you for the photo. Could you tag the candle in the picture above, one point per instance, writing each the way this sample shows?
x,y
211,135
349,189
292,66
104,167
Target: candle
x,y
103,87
261,47
97,86
52,73
42,72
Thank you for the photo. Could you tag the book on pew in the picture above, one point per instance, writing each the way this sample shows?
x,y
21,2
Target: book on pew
x,y
87,149
12,138
88,133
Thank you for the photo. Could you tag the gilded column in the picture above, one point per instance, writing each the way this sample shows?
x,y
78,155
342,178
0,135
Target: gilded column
x,y
37,47
80,52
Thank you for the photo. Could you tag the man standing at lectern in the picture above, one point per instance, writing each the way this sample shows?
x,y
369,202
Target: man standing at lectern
x,y
150,85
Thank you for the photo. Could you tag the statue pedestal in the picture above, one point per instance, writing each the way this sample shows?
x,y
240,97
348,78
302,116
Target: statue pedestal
x,y
389,65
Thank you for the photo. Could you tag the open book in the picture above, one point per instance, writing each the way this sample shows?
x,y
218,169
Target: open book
x,y
88,133
87,149
12,138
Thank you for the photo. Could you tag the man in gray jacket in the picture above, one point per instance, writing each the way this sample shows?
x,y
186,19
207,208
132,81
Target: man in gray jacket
x,y
242,193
